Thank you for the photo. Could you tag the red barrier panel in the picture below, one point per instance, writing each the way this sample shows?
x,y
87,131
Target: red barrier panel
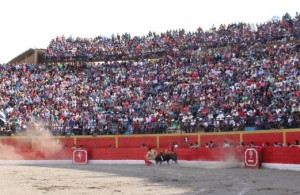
x,y
17,154
136,141
292,136
32,154
166,141
128,147
18,142
51,143
218,139
284,155
96,142
65,141
62,154
270,154
182,140
211,154
261,138
117,154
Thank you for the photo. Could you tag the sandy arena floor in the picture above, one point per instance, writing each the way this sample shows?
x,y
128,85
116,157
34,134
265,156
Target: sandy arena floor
x,y
146,180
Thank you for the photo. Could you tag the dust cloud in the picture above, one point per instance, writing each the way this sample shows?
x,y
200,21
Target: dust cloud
x,y
32,142
8,152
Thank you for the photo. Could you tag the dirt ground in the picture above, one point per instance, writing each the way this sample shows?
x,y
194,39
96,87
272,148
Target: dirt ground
x,y
145,180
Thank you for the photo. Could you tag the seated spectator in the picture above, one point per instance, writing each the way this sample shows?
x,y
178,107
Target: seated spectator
x,y
212,144
226,144
175,145
296,144
251,144
242,144
277,144
206,145
195,145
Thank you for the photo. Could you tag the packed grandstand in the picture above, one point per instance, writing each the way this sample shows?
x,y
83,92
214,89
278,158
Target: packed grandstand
x,y
225,79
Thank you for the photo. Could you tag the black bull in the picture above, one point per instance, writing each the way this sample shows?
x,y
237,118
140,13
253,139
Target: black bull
x,y
166,156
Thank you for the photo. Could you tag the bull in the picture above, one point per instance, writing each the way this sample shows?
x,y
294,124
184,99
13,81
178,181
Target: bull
x,y
166,156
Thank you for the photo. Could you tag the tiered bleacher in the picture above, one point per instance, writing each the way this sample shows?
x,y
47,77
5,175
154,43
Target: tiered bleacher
x,y
236,77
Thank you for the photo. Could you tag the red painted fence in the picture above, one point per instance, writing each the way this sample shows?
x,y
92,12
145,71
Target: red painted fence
x,y
128,147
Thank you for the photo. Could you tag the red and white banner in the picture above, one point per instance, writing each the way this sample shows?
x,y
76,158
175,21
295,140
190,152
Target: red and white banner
x,y
80,157
252,158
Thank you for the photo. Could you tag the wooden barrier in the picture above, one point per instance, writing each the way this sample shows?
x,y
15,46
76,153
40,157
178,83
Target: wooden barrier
x,y
95,142
284,155
128,147
218,139
137,141
16,142
117,154
263,137
157,140
291,136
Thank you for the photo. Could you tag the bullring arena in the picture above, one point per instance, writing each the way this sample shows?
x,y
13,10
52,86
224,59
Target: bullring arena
x,y
140,179
80,116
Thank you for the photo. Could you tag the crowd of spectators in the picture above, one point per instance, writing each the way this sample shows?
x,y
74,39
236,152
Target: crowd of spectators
x,y
173,42
240,78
